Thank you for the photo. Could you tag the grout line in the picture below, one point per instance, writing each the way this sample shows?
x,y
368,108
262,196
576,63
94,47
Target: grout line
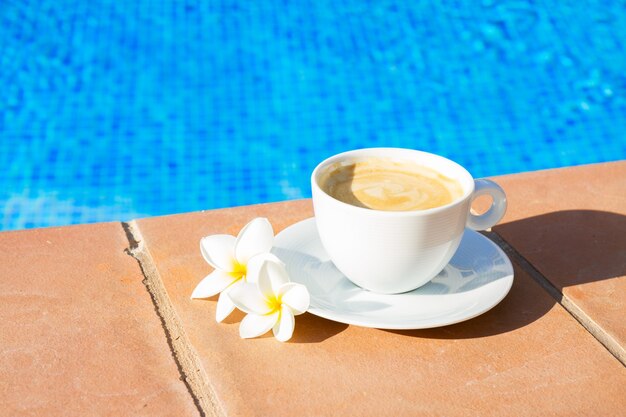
x,y
587,322
187,361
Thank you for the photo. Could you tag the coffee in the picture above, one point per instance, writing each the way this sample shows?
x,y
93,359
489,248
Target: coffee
x,y
389,185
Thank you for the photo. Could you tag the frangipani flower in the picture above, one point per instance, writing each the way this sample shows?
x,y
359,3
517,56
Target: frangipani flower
x,y
271,303
231,257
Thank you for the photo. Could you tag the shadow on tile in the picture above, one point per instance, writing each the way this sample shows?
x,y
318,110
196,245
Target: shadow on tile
x,y
313,329
571,247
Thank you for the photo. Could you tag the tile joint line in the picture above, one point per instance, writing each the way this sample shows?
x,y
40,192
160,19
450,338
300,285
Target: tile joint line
x,y
187,361
579,315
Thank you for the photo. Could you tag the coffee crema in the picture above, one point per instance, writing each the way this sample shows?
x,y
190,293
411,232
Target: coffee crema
x,y
389,185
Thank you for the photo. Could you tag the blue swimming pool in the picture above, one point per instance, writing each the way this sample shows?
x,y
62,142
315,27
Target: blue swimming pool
x,y
113,110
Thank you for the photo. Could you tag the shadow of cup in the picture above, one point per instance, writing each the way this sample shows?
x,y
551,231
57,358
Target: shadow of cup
x,y
571,247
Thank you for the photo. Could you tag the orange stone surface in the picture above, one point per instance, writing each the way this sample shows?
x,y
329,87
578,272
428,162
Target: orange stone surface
x,y
78,332
570,224
85,330
527,356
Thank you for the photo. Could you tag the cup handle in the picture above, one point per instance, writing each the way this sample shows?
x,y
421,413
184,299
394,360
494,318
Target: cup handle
x,y
495,212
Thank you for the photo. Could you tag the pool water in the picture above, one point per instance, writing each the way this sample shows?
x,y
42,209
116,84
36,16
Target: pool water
x,y
114,110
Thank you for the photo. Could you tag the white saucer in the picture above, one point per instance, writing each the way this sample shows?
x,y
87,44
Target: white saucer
x,y
477,278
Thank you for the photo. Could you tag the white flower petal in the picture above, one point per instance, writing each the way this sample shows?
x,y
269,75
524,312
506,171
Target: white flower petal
x,y
248,299
212,284
283,330
219,251
256,262
225,306
256,237
272,276
254,325
295,296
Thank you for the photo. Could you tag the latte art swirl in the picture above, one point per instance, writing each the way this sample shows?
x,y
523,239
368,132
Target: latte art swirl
x,y
382,184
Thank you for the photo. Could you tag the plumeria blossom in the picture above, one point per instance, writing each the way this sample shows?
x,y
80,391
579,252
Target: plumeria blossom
x,y
271,302
231,257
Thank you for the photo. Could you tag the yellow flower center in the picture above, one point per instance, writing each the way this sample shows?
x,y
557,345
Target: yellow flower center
x,y
239,270
275,303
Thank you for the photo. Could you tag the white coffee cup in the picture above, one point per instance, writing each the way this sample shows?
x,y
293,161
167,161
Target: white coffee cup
x,y
392,252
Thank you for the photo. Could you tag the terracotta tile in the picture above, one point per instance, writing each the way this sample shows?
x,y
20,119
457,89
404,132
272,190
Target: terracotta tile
x,y
571,225
527,356
78,332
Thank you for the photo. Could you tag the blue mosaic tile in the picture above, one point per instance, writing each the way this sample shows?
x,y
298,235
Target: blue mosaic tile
x,y
113,110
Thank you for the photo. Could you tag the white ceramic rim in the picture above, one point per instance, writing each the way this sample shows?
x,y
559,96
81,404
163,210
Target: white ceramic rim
x,y
353,153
